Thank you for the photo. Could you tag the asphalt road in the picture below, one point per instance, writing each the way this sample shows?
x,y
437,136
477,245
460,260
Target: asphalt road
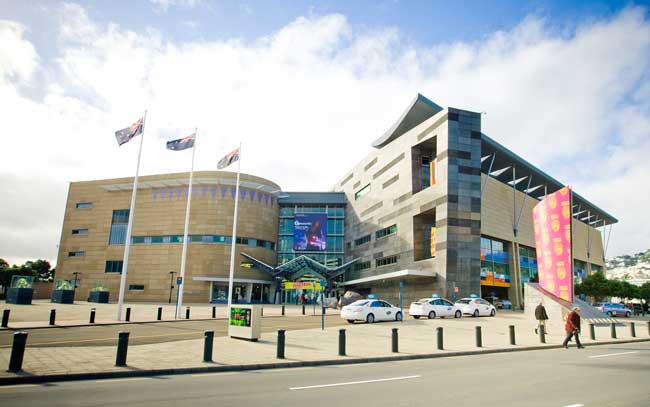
x,y
144,333
613,375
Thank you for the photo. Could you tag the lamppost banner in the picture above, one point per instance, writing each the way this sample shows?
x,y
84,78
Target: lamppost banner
x,y
552,226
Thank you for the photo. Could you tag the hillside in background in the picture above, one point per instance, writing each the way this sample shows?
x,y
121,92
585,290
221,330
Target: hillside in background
x,y
629,267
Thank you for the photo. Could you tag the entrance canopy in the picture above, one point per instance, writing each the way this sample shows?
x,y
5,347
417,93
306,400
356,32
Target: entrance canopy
x,y
399,275
299,267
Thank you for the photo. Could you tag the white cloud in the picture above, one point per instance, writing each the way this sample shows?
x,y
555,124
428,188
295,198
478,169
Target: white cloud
x,y
308,100
162,6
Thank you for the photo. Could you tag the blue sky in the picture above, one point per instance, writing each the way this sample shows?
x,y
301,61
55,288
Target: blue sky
x,y
566,85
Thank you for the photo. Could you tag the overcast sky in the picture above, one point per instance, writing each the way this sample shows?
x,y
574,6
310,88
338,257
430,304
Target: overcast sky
x,y
307,86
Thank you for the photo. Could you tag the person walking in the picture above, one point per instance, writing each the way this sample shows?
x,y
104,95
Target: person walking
x,y
572,328
541,316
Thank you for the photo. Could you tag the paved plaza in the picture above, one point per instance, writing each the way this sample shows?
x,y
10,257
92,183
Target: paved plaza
x,y
363,341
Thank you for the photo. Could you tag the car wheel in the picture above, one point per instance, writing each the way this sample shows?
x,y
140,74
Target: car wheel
x,y
416,316
350,321
398,316
432,315
370,318
458,314
609,313
475,314
627,315
493,313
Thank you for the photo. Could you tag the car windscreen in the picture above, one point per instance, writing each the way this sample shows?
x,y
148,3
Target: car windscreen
x,y
359,303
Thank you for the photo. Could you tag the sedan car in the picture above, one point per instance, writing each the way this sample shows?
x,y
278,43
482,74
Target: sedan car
x,y
615,310
476,307
434,307
370,310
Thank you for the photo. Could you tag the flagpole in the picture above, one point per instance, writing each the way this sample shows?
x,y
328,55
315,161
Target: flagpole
x,y
127,243
179,302
234,237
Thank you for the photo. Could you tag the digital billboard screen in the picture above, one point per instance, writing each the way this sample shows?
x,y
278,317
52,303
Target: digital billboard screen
x,y
310,232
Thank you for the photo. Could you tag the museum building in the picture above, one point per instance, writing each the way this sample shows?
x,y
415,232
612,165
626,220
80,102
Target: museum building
x,y
436,207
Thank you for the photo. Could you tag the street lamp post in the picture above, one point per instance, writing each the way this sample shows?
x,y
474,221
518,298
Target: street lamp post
x,y
171,285
74,287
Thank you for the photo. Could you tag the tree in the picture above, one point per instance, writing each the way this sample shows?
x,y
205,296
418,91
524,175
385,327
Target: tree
x,y
644,292
41,270
595,285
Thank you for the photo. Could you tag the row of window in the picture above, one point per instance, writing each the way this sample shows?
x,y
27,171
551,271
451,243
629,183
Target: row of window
x,y
332,211
219,239
361,265
386,231
362,240
385,261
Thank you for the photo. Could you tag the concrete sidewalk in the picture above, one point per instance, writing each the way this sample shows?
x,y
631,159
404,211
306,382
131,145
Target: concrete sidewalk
x,y
78,314
416,337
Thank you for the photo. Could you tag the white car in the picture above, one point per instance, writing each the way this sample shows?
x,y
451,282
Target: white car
x,y
434,307
476,307
371,310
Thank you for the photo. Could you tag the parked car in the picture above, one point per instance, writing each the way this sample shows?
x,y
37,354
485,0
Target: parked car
x,y
615,310
637,308
475,307
434,307
371,310
503,304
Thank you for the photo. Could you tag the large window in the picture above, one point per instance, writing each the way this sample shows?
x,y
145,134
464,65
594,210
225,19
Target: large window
x,y
113,266
363,191
494,263
362,265
335,226
362,240
386,231
385,261
528,265
119,224
425,172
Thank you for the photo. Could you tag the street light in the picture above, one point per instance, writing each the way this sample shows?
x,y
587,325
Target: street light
x,y
171,285
74,288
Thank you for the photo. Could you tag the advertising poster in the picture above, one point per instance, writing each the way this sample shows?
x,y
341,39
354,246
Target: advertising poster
x,y
310,232
302,285
240,316
432,243
552,226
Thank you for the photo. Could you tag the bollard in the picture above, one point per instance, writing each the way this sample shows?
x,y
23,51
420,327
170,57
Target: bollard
x,y
52,316
394,341
439,331
512,335
479,337
122,348
214,311
632,330
648,328
5,318
159,316
283,310
128,314
207,346
324,311
303,309
187,313
92,316
17,352
341,342
592,332
613,330
542,334
261,311
280,350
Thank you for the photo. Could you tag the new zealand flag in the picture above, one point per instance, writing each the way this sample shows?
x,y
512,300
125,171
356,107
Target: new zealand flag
x,y
181,143
126,134
228,159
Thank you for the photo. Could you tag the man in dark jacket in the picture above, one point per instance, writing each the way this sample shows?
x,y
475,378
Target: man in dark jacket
x,y
541,317
572,328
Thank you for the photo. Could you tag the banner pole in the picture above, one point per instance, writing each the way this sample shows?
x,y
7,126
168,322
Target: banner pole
x,y
234,235
129,228
179,302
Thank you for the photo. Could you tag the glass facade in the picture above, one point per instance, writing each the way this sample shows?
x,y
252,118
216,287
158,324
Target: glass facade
x,y
119,224
528,265
494,263
425,172
333,254
579,271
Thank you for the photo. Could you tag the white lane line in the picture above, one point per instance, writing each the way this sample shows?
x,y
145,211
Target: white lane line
x,y
575,405
613,354
128,379
351,383
215,374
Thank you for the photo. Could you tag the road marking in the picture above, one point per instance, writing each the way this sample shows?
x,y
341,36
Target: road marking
x,y
128,379
351,383
575,405
17,386
613,354
215,374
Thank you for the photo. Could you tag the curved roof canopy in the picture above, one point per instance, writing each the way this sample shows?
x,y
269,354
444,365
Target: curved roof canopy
x,y
299,266
419,110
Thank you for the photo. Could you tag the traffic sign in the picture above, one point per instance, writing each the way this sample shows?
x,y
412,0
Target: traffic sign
x,y
179,280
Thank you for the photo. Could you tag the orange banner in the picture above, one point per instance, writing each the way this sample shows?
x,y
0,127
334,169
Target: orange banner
x,y
552,227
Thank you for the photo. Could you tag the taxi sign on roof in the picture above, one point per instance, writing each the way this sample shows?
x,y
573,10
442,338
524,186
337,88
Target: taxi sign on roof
x,y
473,296
372,296
435,296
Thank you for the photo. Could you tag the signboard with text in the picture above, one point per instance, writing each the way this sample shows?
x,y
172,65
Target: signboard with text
x,y
552,227
302,285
